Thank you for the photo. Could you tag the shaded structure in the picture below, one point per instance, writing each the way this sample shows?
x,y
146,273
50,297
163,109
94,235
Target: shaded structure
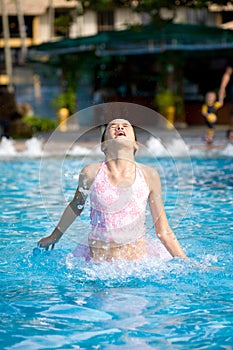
x,y
133,65
141,40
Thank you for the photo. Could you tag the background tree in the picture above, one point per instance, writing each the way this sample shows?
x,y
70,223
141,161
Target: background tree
x,y
170,66
151,7
71,68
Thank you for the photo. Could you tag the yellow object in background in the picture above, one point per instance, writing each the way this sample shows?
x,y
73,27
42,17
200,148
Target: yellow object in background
x,y
211,118
170,115
63,115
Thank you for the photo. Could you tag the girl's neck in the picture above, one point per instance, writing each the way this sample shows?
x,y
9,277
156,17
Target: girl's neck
x,y
120,160
121,172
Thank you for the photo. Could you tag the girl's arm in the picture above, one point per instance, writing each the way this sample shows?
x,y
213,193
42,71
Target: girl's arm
x,y
163,230
73,209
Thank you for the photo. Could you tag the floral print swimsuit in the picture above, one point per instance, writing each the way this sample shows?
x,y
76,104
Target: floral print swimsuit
x,y
118,213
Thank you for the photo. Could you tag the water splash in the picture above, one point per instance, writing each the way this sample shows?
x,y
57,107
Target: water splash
x,y
32,148
156,147
84,151
122,272
213,152
7,147
174,147
178,148
228,150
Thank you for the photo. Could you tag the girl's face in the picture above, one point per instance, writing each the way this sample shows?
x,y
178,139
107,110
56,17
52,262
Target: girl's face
x,y
120,129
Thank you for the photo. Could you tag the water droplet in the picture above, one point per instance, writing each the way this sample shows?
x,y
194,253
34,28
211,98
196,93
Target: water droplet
x,y
36,251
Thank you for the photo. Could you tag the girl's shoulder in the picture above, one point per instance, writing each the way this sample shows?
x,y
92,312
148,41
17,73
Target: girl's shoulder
x,y
146,168
90,171
149,172
92,167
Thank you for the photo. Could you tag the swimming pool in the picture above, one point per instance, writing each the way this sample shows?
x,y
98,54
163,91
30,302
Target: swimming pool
x,y
51,301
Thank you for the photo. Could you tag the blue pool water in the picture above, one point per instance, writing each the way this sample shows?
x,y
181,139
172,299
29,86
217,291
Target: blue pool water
x,y
49,300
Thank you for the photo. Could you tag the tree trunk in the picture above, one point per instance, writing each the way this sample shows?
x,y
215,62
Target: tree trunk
x,y
7,50
22,32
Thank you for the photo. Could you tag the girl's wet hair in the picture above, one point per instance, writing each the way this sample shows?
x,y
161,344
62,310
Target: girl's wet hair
x,y
104,126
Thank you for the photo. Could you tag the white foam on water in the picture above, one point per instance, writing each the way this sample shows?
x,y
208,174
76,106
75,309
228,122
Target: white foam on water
x,y
178,148
121,271
175,147
84,151
7,147
33,148
228,150
156,147
79,151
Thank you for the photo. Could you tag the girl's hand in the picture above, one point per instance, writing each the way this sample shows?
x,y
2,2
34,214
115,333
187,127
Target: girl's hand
x,y
50,240
46,242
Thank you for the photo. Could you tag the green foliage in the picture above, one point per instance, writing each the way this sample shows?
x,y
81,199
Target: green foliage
x,y
62,23
164,99
150,6
72,67
67,100
37,123
104,5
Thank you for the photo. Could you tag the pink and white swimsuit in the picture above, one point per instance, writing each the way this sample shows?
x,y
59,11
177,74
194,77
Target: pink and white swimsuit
x,y
118,213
